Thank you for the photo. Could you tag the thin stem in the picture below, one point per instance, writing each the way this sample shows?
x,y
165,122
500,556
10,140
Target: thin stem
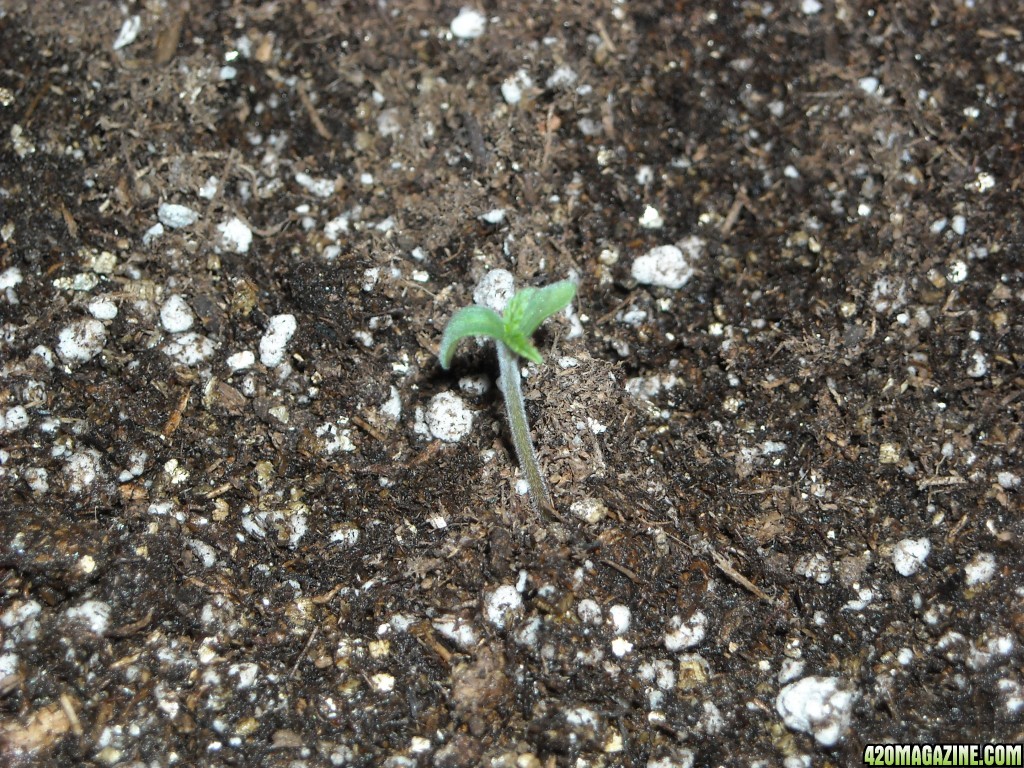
x,y
516,410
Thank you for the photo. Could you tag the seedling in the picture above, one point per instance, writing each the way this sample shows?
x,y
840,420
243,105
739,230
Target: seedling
x,y
511,332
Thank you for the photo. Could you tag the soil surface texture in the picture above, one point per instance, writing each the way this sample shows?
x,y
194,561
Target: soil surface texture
x,y
247,520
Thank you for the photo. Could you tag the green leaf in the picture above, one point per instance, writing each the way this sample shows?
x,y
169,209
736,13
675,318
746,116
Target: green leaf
x,y
522,346
524,314
538,304
515,310
469,321
530,307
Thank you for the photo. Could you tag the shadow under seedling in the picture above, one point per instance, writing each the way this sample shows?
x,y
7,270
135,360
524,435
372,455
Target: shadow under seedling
x,y
511,332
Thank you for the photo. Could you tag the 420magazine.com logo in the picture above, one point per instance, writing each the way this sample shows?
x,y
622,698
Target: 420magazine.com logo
x,y
943,754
